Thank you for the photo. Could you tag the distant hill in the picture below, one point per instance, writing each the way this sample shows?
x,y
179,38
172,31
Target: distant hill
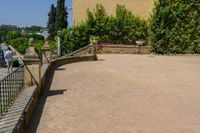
x,y
8,26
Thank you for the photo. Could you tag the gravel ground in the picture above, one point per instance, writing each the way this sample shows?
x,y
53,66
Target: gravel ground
x,y
122,94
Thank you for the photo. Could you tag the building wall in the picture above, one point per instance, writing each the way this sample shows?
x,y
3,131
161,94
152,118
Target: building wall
x,y
140,8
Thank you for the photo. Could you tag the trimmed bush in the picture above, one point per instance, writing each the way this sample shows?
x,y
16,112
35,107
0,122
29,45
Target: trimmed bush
x,y
20,44
174,27
124,28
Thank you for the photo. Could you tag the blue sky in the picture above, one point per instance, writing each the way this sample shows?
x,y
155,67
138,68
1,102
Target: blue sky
x,y
27,12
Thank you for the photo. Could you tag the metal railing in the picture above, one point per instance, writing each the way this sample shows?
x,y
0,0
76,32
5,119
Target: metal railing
x,y
10,87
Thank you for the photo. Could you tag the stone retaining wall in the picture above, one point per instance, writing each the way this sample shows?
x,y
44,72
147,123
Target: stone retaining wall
x,y
82,51
123,49
113,49
71,59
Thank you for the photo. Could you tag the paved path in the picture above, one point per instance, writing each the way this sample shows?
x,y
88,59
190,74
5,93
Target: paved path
x,y
3,73
122,94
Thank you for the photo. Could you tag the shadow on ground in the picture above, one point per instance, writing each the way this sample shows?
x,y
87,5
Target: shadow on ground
x,y
101,60
60,69
38,109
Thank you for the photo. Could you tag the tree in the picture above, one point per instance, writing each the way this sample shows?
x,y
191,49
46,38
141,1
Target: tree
x,y
52,21
124,28
34,29
20,44
13,34
174,27
61,15
4,29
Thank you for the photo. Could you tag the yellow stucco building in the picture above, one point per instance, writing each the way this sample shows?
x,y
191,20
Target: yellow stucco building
x,y
140,8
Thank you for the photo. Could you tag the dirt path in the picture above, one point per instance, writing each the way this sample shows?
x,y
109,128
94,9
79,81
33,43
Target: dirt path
x,y
122,94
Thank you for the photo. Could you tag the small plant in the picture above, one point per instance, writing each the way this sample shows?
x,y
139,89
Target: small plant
x,y
3,64
96,38
16,63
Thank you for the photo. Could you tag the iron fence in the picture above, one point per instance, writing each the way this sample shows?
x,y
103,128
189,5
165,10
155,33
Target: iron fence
x,y
10,87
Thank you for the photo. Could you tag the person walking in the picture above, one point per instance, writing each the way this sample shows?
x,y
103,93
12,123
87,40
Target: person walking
x,y
9,60
1,58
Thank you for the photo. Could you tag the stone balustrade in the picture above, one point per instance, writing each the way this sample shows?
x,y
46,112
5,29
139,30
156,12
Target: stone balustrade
x,y
35,74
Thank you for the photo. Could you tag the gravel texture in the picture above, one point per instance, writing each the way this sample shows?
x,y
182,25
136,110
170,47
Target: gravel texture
x,y
122,94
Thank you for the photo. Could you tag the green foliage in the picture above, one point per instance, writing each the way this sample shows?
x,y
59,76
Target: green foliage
x,y
51,21
96,21
33,29
5,29
13,34
16,63
123,28
61,15
75,38
3,64
126,28
174,27
53,45
20,44
38,45
57,18
18,39
35,36
94,38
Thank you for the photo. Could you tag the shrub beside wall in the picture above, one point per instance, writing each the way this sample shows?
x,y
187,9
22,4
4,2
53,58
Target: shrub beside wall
x,y
20,43
124,28
174,27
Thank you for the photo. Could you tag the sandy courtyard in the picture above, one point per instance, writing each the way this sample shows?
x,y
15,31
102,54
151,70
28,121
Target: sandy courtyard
x,y
122,94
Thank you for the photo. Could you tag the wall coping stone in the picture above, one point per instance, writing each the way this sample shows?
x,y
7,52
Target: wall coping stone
x,y
31,61
71,59
79,50
121,46
16,117
7,123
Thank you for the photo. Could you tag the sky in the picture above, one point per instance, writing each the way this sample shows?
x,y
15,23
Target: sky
x,y
28,12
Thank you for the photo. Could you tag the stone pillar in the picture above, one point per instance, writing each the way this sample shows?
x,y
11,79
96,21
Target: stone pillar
x,y
46,53
59,45
32,66
140,43
94,48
